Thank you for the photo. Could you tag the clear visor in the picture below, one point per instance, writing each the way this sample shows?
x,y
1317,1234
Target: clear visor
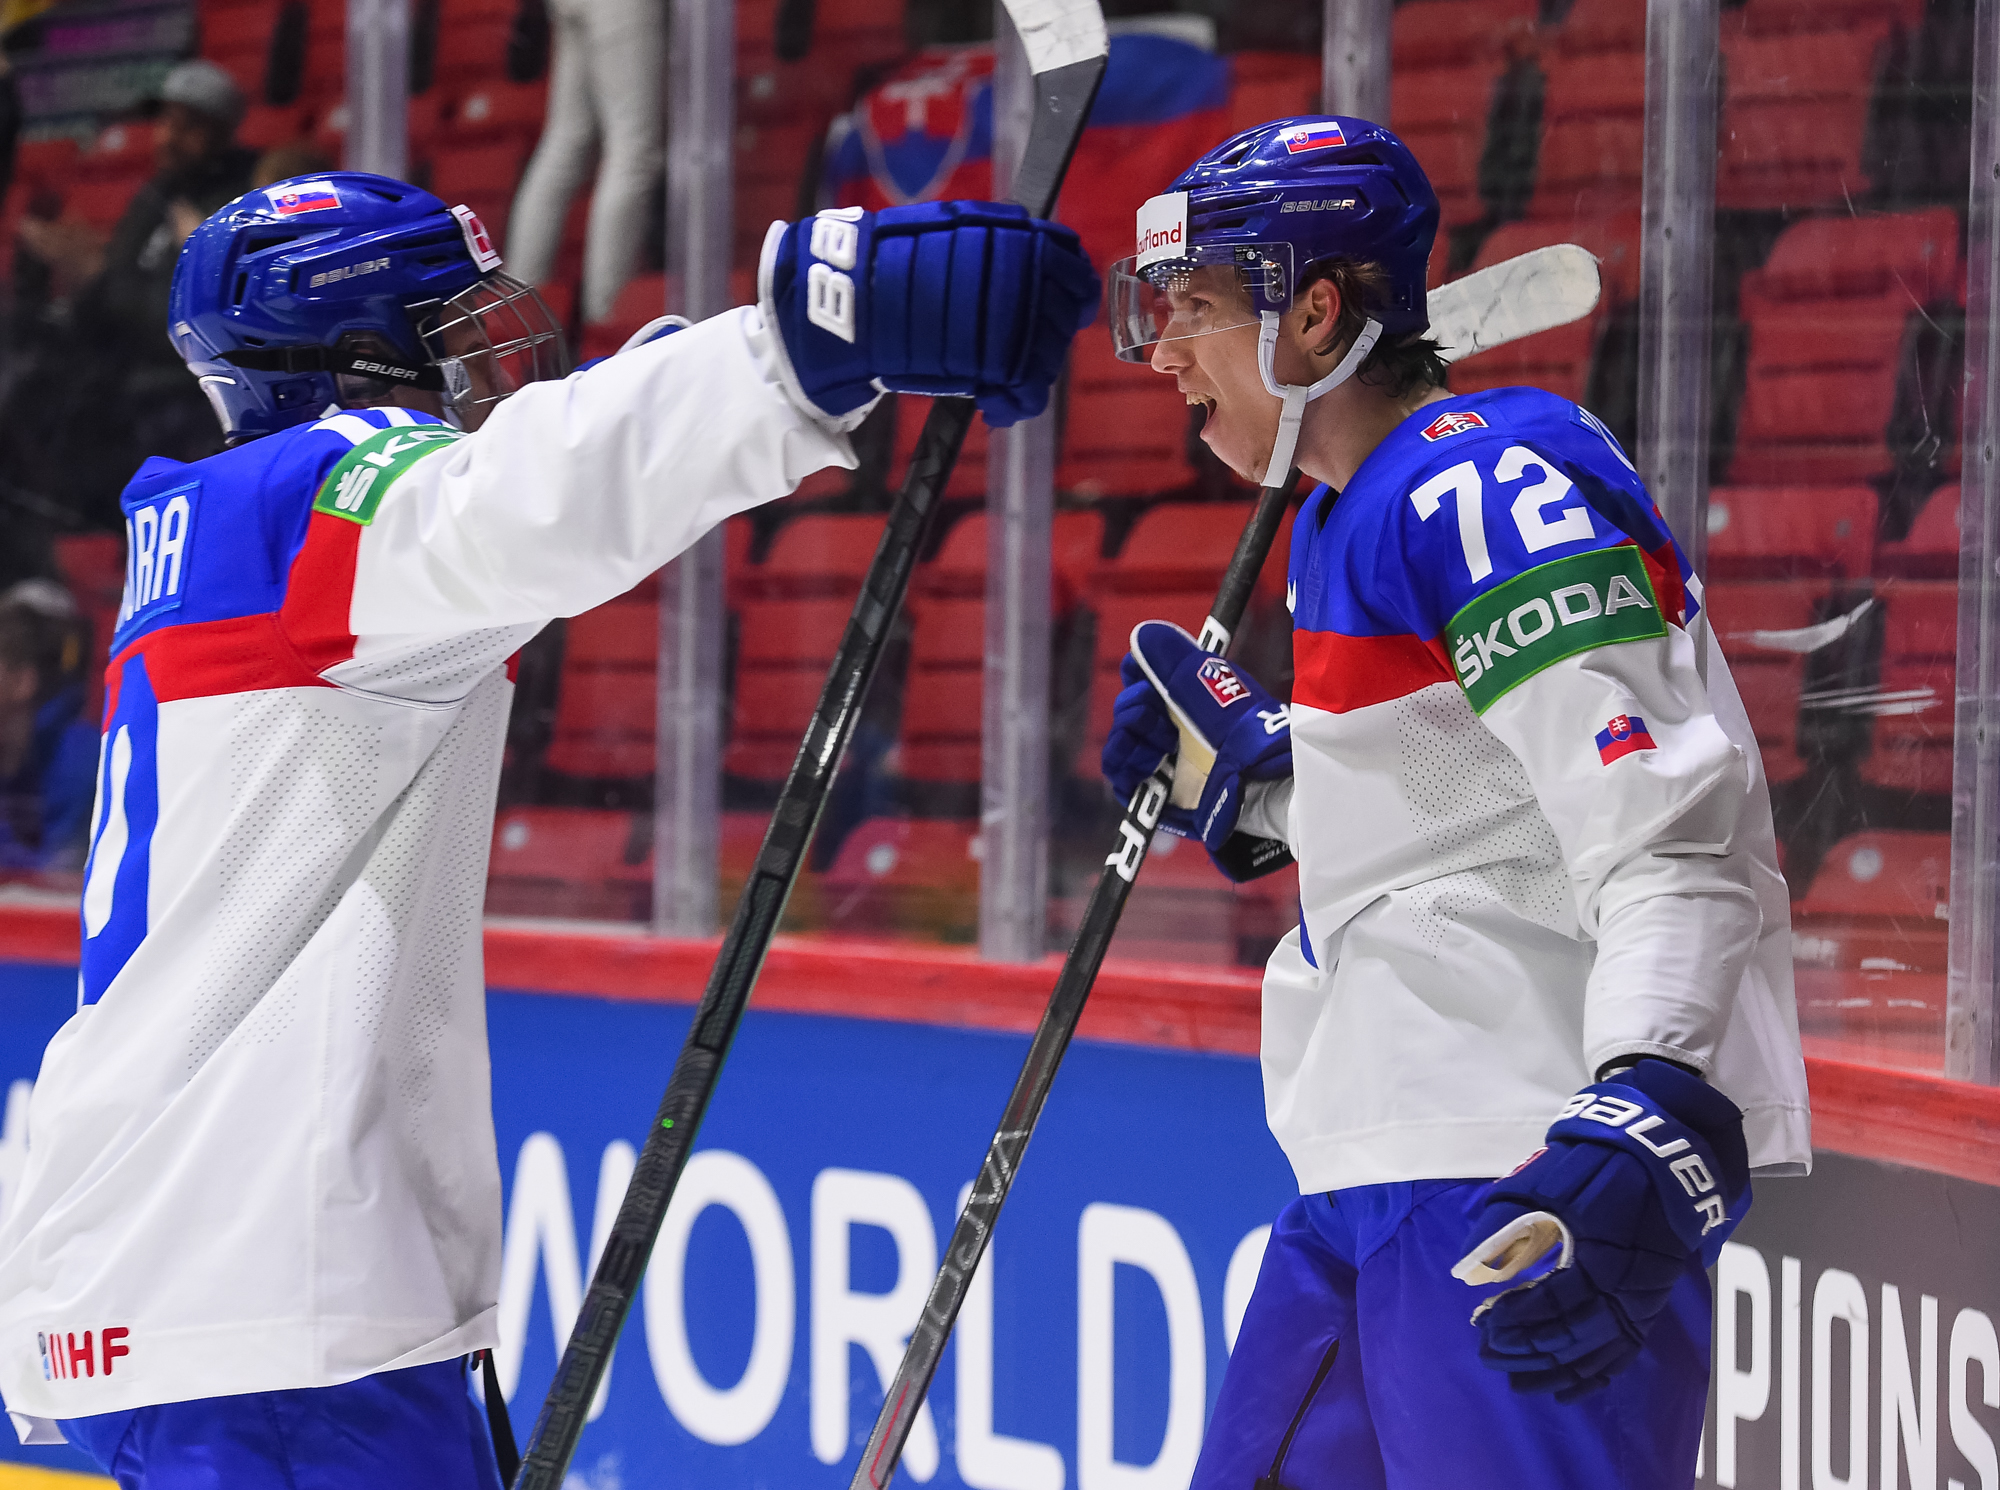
x,y
1207,290
490,342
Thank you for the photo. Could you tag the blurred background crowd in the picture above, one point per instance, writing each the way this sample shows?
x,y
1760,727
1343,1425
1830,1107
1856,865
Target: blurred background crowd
x,y
1838,304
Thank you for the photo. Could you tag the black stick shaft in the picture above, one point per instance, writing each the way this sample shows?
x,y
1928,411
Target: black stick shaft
x,y
1063,97
1052,1036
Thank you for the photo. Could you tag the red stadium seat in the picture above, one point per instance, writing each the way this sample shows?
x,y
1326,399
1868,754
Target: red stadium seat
x,y
1271,85
907,875
1930,549
265,125
1768,676
1884,873
1913,699
1557,360
1441,114
643,299
1795,116
1593,137
572,862
1451,33
1594,26
607,702
793,608
1127,429
93,568
120,152
1790,532
498,110
1826,316
968,477
1776,17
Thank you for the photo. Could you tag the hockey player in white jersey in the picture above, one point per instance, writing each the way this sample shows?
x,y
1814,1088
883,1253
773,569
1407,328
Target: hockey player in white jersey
x,y
1542,931
259,1226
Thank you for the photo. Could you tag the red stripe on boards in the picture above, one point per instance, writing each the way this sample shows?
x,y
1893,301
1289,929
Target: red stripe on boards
x,y
1342,673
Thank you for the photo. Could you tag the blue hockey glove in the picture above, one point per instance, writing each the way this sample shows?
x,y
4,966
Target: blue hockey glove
x,y
1640,1174
1228,730
968,298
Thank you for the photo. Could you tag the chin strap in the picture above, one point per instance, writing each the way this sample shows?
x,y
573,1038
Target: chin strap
x,y
1295,396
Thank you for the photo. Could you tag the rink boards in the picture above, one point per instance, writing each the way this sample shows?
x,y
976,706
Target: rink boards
x,y
1862,1302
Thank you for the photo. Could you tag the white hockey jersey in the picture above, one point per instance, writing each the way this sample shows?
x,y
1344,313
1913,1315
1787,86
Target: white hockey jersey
x,y
261,1153
1532,827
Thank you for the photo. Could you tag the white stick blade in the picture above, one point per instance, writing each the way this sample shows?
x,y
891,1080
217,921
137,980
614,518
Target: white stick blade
x,y
1534,292
1058,32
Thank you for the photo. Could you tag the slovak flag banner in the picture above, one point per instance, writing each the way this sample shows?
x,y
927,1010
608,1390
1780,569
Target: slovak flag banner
x,y
1304,137
1621,737
307,196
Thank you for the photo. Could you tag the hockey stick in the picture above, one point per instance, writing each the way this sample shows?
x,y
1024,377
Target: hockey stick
x,y
1535,292
1066,46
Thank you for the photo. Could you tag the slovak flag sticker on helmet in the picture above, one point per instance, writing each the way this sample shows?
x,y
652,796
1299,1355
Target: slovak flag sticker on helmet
x,y
478,242
1621,736
1321,136
306,196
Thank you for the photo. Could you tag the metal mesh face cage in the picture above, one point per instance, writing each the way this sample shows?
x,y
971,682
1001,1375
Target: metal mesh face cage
x,y
1201,292
490,342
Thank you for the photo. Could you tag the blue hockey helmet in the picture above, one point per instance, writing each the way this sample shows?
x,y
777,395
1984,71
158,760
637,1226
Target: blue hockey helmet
x,y
331,289
1271,203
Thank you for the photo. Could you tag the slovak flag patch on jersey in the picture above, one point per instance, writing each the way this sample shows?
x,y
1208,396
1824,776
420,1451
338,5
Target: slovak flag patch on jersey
x,y
1455,422
307,196
1621,736
1222,683
1303,137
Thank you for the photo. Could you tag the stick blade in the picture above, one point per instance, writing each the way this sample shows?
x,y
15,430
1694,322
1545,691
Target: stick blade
x,y
1518,297
1058,33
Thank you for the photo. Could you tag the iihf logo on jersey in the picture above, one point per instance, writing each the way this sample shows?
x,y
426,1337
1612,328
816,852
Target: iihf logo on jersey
x,y
1457,422
65,1359
1621,736
1222,683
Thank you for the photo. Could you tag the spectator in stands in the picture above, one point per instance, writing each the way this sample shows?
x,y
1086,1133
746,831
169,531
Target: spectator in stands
x,y
604,99
48,755
108,388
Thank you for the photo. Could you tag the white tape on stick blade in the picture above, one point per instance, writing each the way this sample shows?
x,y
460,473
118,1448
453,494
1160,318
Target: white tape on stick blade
x,y
1058,32
1518,297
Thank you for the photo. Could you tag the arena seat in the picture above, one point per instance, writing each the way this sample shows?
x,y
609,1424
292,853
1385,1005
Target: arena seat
x,y
1450,33
643,299
1826,318
1795,115
1781,17
1272,85
571,862
1558,360
483,177
607,703
943,698
906,875
1768,676
497,110
1930,549
1127,430
1913,698
1447,56
1593,137
1883,873
1596,26
968,477
793,608
1790,532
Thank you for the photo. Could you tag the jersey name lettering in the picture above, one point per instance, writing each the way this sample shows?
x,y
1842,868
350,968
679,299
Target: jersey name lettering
x,y
353,489
1513,631
158,536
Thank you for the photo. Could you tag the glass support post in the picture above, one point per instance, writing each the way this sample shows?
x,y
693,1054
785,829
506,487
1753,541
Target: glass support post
x,y
687,779
1354,59
378,87
1677,243
1020,507
1972,1039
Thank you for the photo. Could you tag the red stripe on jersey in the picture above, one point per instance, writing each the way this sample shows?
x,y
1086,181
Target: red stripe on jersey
x,y
1342,673
241,654
319,598
1663,566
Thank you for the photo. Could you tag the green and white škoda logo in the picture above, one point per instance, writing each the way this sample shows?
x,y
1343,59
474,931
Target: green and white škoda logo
x,y
1513,631
353,489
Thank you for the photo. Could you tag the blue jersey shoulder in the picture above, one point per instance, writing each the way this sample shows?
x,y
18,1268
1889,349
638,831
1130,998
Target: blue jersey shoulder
x,y
214,539
1461,497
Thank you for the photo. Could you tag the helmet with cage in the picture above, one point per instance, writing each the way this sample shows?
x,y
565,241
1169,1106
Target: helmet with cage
x,y
1240,231
336,289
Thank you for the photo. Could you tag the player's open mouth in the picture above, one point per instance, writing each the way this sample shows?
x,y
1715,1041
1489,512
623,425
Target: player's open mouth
x,y
1203,402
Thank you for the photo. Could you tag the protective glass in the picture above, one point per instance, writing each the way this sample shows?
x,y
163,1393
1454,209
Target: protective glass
x,y
1204,291
490,342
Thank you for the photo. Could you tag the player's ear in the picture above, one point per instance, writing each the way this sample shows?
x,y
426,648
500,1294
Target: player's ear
x,y
1321,303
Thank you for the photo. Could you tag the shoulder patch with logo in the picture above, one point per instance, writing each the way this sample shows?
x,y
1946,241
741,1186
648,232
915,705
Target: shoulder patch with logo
x,y
1452,422
353,488
1504,637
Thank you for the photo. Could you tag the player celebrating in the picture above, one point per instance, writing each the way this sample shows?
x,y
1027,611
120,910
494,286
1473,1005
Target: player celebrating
x,y
1535,856
260,1224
